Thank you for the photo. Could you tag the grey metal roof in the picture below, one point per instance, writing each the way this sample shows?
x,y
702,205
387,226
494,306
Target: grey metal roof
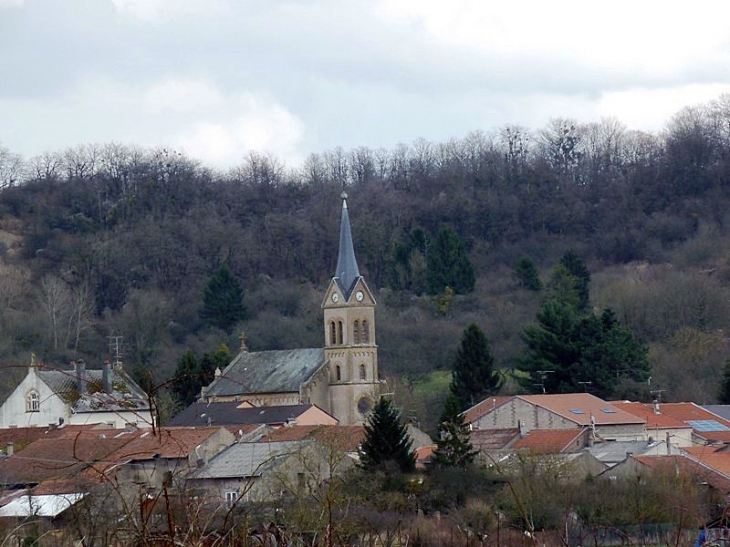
x,y
248,459
278,371
347,271
228,413
613,452
721,410
125,393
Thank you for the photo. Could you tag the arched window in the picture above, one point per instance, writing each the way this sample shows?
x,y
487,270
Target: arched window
x,y
339,332
338,373
333,334
365,332
363,375
32,402
356,332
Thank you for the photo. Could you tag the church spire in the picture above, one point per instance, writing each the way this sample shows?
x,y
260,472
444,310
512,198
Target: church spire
x,y
347,271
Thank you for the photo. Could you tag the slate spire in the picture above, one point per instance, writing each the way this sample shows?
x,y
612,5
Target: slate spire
x,y
347,271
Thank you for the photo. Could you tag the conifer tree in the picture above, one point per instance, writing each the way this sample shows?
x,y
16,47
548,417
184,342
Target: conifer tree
x,y
448,264
527,274
223,300
386,441
453,446
577,268
192,373
473,377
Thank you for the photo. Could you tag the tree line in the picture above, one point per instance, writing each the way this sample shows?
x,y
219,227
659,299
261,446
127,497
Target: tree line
x,y
122,240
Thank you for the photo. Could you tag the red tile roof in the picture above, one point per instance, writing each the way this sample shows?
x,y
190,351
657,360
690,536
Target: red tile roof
x,y
551,441
70,453
472,414
647,412
690,412
493,439
581,407
346,437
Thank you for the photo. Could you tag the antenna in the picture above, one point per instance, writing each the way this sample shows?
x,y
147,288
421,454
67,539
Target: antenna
x,y
543,374
585,385
115,349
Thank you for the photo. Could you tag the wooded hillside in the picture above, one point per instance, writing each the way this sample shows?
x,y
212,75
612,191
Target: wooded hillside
x,y
104,240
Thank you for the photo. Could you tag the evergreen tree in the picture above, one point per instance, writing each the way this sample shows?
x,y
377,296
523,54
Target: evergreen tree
x,y
223,300
723,397
453,446
473,377
386,440
448,264
563,287
527,275
567,352
577,268
192,373
186,383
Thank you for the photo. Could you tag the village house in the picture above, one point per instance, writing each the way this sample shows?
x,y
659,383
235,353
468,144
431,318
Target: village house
x,y
76,396
526,413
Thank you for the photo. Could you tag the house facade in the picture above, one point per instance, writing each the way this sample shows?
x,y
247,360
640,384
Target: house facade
x,y
562,411
76,396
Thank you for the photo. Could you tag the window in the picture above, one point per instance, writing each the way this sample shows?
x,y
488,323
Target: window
x,y
356,332
231,498
333,335
338,373
363,375
339,332
32,402
365,332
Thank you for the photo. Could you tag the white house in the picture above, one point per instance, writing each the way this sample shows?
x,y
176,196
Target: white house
x,y
48,396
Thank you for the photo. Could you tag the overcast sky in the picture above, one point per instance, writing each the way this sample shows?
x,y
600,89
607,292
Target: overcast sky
x,y
216,78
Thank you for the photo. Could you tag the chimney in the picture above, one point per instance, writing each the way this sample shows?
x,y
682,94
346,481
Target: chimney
x,y
80,371
522,429
669,446
656,406
106,376
9,448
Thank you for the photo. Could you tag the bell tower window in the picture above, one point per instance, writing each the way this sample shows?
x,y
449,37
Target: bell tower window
x,y
333,334
339,332
365,332
338,373
356,332
363,374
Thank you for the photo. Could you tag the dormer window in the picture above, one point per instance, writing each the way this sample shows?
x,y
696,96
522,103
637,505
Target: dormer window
x,y
32,402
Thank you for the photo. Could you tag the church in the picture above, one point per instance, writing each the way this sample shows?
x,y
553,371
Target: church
x,y
340,378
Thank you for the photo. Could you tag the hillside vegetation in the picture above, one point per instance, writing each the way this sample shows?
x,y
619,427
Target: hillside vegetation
x,y
104,240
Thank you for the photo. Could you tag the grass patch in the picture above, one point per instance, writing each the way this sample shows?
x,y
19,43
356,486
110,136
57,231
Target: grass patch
x,y
432,384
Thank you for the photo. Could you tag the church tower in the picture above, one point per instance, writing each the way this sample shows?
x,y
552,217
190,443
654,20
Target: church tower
x,y
349,331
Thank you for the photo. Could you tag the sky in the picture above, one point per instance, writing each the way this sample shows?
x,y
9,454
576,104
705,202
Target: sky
x,y
216,79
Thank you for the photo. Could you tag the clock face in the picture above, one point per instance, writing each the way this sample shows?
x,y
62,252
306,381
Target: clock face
x,y
359,296
335,297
